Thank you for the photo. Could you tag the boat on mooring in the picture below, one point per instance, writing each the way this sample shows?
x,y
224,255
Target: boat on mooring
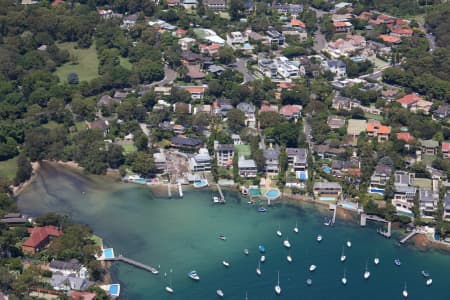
x,y
344,279
312,268
319,238
262,209
366,273
429,282
246,251
279,231
261,248
277,287
327,222
425,273
309,281
222,237
405,292
289,257
286,243
258,269
349,244
225,263
397,262
343,257
193,275
220,293
296,227
376,260
262,258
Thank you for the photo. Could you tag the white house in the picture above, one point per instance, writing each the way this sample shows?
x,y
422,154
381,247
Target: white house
x,y
201,162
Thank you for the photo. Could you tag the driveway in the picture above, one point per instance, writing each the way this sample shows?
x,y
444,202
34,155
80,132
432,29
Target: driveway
x,y
241,67
319,39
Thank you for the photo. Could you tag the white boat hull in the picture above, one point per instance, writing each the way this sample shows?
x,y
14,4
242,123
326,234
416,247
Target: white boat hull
x,y
366,275
262,259
289,258
312,268
169,289
344,281
277,289
343,258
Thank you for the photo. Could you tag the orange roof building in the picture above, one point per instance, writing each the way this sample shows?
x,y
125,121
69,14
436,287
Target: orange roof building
x,y
375,129
405,136
409,100
445,149
39,238
297,23
402,32
390,39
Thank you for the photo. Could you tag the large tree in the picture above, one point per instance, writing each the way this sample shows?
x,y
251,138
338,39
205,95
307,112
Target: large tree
x,y
236,119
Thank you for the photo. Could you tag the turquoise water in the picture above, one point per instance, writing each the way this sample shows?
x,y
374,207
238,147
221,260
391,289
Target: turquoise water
x,y
182,235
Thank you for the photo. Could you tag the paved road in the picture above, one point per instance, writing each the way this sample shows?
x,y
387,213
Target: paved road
x,y
430,37
319,39
169,77
241,67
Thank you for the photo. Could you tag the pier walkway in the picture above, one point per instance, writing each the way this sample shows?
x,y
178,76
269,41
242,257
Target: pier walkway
x,y
365,217
180,190
333,207
169,191
410,235
134,263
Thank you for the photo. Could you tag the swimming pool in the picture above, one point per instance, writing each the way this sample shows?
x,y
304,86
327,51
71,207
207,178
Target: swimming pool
x,y
327,169
349,205
254,192
273,194
200,183
114,290
327,199
377,191
108,253
357,58
303,175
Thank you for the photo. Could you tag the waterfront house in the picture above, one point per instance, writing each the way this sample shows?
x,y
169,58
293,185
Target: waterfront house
x,y
442,112
327,191
201,162
39,238
428,202
379,179
447,208
445,148
376,130
81,295
249,111
61,282
216,5
15,219
224,154
160,160
271,156
298,158
68,267
404,191
185,143
429,147
247,167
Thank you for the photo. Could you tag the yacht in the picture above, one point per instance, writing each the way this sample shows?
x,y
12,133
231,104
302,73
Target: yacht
x,y
425,273
246,251
366,273
349,244
225,263
216,199
286,243
343,257
312,268
319,238
222,237
155,272
309,281
327,221
277,287
397,262
279,231
220,293
193,275
262,258
169,289
429,282
262,209
261,248
405,292
289,257
376,260
296,227
344,279
258,269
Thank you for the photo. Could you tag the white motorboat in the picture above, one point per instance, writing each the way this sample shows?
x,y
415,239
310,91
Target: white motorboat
x,y
246,251
312,268
262,258
289,257
366,273
405,292
216,199
258,269
286,243
344,279
277,287
155,272
349,244
225,263
319,238
429,282
309,281
169,289
296,227
220,293
343,257
222,237
376,260
193,275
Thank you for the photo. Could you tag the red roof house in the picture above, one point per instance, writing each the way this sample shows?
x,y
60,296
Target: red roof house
x,y
77,295
390,39
409,100
375,129
291,111
400,32
39,238
405,136
445,149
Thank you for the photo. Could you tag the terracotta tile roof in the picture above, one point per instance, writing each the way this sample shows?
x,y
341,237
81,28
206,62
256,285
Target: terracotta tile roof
x,y
297,23
403,31
342,24
390,39
290,110
266,108
285,85
445,146
405,136
409,99
376,126
82,295
209,47
39,234
195,90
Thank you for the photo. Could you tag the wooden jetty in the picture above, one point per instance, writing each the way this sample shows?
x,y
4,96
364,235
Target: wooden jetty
x,y
222,197
134,263
169,191
333,207
410,235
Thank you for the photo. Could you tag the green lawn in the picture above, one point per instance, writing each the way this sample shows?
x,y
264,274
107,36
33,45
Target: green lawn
x,y
125,62
375,117
129,148
87,66
243,150
8,168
